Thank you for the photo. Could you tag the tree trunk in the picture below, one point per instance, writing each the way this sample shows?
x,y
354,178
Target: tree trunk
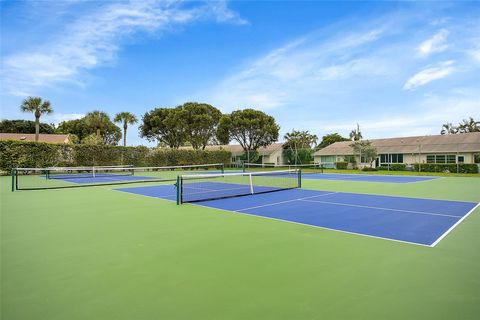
x,y
37,127
98,134
124,136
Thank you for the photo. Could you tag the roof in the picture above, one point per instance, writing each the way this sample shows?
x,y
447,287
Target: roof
x,y
237,149
50,138
463,142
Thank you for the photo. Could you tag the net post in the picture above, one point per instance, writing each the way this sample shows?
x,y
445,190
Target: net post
x,y
251,183
179,192
222,167
299,178
13,179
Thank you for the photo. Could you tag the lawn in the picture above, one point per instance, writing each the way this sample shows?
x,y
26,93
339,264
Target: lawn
x,y
96,253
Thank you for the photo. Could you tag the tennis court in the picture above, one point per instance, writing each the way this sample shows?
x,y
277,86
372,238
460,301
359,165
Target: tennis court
x,y
411,220
367,178
316,171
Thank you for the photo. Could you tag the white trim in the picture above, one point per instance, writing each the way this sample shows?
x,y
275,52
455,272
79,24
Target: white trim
x,y
282,202
311,225
454,226
380,208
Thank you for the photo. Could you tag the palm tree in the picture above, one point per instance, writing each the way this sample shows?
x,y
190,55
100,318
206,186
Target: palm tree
x,y
355,134
98,120
126,118
38,107
448,128
469,125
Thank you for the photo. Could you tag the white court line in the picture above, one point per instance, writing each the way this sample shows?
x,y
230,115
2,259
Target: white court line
x,y
286,201
311,225
454,226
380,208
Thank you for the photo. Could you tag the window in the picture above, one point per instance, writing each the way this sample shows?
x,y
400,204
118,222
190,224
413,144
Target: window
x,y
391,158
440,158
444,158
461,159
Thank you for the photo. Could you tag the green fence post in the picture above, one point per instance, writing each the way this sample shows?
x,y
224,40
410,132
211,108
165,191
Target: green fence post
x,y
299,178
179,193
13,180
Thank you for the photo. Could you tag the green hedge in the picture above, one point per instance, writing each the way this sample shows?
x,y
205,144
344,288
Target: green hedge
x,y
341,165
450,167
394,167
39,155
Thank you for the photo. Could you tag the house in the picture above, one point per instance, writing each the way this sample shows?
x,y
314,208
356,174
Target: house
x,y
49,138
453,148
271,154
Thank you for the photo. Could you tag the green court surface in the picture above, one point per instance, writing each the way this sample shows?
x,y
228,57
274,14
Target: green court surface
x,y
95,253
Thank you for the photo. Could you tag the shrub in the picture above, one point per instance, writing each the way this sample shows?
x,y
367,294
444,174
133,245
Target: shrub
x,y
398,167
38,154
341,165
447,167
369,169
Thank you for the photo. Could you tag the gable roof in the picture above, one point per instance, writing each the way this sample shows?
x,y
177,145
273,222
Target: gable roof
x,y
43,137
463,142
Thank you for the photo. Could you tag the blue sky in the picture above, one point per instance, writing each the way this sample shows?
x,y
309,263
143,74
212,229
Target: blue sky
x,y
396,68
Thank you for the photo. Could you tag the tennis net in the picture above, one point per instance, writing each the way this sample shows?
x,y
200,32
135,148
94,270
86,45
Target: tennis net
x,y
195,188
306,168
71,177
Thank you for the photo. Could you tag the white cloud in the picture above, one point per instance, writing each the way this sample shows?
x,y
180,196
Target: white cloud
x,y
437,43
429,74
94,39
56,117
278,77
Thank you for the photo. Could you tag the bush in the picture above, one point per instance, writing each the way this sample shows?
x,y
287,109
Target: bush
x,y
447,167
369,169
38,154
341,165
394,167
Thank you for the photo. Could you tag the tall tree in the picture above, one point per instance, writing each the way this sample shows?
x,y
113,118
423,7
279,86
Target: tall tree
x,y
98,120
329,139
165,125
356,134
200,122
250,128
448,128
37,107
298,146
82,129
125,118
300,140
24,126
469,125
365,149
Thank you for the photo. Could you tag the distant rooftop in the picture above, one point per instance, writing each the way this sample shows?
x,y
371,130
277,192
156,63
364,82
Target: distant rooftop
x,y
463,142
50,138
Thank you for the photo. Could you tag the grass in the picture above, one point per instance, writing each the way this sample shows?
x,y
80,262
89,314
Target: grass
x,y
94,253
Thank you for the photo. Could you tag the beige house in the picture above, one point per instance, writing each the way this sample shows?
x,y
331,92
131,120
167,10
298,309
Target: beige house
x,y
50,138
271,154
453,148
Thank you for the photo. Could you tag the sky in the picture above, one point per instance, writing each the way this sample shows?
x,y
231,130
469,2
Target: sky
x,y
395,68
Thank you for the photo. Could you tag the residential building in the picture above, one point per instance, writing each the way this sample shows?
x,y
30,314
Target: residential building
x,y
453,148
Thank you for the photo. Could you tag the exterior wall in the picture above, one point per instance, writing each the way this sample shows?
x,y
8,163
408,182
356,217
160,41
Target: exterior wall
x,y
407,158
275,157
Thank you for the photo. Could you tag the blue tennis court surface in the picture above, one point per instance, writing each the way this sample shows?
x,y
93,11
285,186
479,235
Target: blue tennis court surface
x,y
366,177
103,178
412,220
